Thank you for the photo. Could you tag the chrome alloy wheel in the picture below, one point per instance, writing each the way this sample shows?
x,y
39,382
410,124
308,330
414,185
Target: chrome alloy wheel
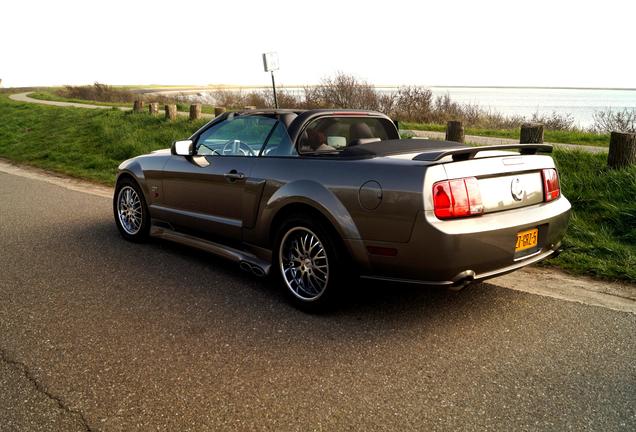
x,y
303,263
129,210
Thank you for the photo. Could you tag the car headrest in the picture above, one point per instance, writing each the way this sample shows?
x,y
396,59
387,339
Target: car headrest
x,y
360,130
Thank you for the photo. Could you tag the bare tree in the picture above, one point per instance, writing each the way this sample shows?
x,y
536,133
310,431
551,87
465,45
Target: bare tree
x,y
614,121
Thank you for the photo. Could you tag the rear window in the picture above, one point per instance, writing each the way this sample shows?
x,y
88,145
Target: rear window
x,y
332,134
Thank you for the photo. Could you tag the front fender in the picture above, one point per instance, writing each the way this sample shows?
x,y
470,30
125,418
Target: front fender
x,y
133,168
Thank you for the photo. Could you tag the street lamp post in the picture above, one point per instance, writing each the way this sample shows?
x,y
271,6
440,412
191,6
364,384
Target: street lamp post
x,y
270,64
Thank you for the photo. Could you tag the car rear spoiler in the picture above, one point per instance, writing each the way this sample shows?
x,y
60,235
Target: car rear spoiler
x,y
466,153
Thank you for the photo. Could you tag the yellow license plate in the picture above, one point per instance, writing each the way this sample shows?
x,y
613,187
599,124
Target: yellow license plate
x,y
527,239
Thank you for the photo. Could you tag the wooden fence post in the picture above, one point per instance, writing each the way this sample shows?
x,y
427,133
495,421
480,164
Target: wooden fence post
x,y
195,111
622,150
531,133
138,106
171,112
218,111
455,131
153,108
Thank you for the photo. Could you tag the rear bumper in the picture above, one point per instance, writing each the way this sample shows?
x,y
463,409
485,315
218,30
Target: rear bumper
x,y
447,252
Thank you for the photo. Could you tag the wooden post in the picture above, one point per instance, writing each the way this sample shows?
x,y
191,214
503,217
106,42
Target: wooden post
x,y
171,112
138,106
455,131
218,111
622,150
531,133
195,111
153,108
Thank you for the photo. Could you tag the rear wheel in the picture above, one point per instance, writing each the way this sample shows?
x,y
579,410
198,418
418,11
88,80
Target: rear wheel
x,y
309,262
131,212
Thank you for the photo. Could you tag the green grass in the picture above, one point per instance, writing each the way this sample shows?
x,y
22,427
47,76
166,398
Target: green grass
x,y
601,239
81,142
565,137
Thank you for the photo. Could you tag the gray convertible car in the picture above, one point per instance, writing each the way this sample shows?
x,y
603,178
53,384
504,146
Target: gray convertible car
x,y
316,197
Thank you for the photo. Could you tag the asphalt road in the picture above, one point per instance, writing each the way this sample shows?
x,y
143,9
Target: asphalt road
x,y
100,334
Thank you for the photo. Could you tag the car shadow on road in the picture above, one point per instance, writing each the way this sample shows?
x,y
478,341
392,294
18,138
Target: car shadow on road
x,y
244,295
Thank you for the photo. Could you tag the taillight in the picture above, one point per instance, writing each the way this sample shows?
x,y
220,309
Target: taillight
x,y
551,187
457,198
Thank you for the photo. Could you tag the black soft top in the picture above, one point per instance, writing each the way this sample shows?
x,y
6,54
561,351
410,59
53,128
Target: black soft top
x,y
398,146
433,151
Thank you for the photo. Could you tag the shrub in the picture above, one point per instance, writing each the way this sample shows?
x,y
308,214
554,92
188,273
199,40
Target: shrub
x,y
614,121
98,92
554,121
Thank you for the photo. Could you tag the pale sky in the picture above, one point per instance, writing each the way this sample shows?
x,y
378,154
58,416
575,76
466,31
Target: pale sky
x,y
575,43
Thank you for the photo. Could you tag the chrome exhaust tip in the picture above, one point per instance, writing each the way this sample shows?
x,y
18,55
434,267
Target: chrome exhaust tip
x,y
245,266
257,271
462,280
252,268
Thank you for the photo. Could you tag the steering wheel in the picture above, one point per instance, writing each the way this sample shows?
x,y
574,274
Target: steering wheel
x,y
234,147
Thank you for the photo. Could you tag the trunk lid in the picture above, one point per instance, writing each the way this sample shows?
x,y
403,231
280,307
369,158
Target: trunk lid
x,y
507,180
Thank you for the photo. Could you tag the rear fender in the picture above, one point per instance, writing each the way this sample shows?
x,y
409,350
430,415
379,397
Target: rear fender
x,y
315,195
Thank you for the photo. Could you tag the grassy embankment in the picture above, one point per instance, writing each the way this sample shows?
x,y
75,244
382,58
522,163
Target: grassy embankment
x,y
601,239
82,142
554,136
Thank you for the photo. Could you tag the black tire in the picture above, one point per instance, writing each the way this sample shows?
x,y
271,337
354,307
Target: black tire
x,y
299,225
141,232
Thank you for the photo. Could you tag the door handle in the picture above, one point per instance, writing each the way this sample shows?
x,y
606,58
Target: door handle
x,y
234,175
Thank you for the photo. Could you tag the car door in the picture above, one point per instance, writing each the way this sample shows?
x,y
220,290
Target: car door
x,y
210,191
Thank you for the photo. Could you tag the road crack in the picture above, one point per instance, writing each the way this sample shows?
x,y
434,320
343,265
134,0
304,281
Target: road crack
x,y
40,388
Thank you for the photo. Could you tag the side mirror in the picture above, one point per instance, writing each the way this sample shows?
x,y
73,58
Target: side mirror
x,y
182,148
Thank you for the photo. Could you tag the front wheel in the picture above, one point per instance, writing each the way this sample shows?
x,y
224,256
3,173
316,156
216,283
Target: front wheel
x,y
131,212
309,262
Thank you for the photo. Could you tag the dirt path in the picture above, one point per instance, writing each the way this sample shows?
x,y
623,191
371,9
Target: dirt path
x,y
483,141
24,97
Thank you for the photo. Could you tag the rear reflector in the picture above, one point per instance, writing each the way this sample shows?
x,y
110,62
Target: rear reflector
x,y
551,186
457,198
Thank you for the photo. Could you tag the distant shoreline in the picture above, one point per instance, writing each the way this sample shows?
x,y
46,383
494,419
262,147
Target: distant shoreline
x,y
531,87
194,87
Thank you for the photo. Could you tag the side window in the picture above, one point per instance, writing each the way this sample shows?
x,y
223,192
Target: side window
x,y
279,143
237,136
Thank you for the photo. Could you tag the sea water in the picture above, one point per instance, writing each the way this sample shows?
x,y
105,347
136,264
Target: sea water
x,y
581,104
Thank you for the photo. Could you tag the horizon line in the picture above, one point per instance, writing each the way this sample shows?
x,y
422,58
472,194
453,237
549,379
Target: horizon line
x,y
282,86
